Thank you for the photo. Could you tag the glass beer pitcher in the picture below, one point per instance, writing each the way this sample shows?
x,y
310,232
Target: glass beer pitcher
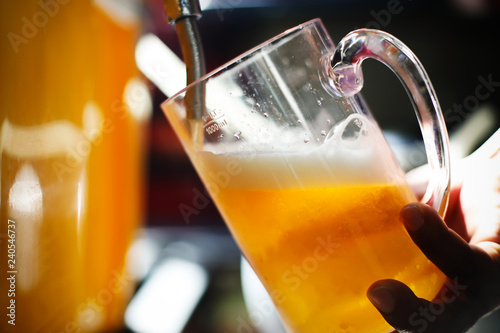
x,y
303,177
70,164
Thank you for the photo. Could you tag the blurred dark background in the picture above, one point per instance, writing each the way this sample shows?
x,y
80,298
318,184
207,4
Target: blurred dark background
x,y
456,41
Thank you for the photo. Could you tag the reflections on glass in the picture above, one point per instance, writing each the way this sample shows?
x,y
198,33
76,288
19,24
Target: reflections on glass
x,y
26,207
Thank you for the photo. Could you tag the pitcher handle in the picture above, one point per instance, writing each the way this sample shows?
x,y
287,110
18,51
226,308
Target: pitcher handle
x,y
346,77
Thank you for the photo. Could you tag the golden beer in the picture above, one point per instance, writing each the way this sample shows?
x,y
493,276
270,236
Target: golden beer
x,y
317,250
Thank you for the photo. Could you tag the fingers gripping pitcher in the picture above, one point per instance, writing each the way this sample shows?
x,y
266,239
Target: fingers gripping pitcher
x,y
303,177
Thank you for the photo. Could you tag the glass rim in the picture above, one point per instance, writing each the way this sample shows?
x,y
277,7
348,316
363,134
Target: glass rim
x,y
240,58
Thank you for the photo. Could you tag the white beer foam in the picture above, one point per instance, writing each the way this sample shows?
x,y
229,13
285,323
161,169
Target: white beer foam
x,y
337,161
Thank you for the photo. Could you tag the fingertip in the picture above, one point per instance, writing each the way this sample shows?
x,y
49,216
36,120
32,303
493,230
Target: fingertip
x,y
441,245
412,217
382,298
395,301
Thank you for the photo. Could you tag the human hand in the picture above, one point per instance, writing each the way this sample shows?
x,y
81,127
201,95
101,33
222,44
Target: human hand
x,y
466,248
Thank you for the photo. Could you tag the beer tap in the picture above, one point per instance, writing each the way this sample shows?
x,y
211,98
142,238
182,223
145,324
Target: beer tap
x,y
184,13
